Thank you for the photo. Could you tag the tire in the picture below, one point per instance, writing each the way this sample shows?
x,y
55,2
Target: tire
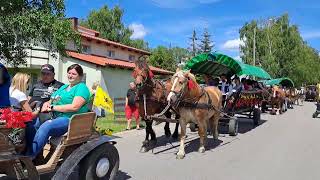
x,y
89,164
256,116
193,127
233,127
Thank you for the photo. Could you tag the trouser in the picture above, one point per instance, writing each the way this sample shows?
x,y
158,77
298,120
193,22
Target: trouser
x,y
37,135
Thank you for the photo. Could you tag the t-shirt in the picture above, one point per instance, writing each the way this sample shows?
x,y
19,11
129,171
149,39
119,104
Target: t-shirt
x,y
131,95
63,96
43,91
16,97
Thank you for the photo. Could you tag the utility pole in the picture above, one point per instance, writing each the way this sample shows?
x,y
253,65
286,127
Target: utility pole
x,y
254,46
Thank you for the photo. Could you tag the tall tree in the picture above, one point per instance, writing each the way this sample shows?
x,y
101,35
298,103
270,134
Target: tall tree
x,y
193,44
163,57
110,25
25,23
280,49
206,43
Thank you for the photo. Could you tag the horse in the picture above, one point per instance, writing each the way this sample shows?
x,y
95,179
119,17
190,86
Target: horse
x,y
155,93
293,97
277,99
195,104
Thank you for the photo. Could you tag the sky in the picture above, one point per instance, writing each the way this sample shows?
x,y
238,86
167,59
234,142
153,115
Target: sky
x,y
171,22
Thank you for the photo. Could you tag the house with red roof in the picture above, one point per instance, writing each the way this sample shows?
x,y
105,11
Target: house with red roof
x,y
105,62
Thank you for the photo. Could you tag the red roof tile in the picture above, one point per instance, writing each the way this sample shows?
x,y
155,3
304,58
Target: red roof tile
x,y
103,61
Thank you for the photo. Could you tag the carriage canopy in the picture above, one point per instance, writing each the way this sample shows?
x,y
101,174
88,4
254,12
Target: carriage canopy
x,y
217,64
287,82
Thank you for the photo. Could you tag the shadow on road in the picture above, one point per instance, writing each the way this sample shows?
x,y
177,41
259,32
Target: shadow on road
x,y
122,175
245,125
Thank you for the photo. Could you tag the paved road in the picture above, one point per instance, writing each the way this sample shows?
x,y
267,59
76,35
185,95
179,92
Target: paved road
x,y
283,147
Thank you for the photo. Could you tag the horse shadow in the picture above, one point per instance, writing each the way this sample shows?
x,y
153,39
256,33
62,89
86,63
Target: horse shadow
x,y
193,145
122,175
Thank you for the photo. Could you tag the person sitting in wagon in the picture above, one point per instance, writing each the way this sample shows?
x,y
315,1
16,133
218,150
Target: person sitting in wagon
x,y
70,99
224,84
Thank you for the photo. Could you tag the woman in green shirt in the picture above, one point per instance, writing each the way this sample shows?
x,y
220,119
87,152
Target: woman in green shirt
x,y
68,100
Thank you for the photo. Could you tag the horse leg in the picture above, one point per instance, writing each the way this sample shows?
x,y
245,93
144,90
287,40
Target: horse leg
x,y
181,153
146,143
175,134
202,131
214,122
167,131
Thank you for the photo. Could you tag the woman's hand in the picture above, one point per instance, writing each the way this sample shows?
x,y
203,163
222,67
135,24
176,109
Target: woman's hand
x,y
46,107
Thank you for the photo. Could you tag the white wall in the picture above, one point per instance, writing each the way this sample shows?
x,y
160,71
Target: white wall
x,y
116,81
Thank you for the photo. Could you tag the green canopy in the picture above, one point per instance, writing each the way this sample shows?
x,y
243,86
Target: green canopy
x,y
287,82
217,64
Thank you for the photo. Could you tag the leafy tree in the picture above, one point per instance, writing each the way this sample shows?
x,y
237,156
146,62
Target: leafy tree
x,y
206,43
110,25
25,23
280,49
163,57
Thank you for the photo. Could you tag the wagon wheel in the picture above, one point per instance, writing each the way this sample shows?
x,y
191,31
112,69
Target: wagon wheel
x,y
24,169
233,126
100,163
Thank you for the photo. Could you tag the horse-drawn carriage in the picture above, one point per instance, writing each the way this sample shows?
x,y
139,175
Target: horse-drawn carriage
x,y
236,104
81,146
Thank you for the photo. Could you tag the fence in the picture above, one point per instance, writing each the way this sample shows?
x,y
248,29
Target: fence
x,y
119,107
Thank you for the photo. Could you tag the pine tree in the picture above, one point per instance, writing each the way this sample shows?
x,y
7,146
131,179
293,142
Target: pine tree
x,y
206,43
193,44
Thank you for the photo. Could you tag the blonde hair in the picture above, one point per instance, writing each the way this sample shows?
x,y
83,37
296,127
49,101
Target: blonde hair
x,y
20,82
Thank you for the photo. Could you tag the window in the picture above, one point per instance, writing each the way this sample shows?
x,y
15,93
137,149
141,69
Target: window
x,y
132,57
86,49
111,53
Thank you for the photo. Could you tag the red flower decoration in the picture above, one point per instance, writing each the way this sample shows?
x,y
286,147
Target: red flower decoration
x,y
15,119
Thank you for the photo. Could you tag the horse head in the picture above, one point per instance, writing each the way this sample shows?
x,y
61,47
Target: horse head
x,y
142,73
183,82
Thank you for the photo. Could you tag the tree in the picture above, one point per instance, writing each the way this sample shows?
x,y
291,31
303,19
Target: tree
x,y
109,23
206,43
179,54
25,23
193,44
280,50
163,57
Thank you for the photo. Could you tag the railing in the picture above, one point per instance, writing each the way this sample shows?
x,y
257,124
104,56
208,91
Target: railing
x,y
119,107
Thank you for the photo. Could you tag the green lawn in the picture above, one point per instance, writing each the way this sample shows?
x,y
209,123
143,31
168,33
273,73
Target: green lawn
x,y
116,125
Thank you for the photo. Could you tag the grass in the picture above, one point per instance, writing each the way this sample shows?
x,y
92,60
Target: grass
x,y
116,125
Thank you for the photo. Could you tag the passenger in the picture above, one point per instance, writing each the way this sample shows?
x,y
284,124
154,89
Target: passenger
x,y
43,89
4,87
209,81
224,85
18,90
70,99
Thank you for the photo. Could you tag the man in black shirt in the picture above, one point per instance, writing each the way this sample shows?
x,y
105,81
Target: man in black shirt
x,y
44,88
131,108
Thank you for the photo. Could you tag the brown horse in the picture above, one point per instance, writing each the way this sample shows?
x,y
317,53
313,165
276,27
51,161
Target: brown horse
x,y
155,94
293,96
195,104
277,99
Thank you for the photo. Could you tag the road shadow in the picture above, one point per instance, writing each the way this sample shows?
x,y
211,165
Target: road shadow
x,y
245,125
193,146
122,175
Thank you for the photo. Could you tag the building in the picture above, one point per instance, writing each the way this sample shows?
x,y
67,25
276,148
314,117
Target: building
x,y
107,62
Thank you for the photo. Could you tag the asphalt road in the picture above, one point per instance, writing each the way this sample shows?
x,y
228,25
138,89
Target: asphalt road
x,y
283,147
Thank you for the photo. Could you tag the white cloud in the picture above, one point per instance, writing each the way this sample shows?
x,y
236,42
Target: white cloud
x,y
233,44
311,35
181,4
139,31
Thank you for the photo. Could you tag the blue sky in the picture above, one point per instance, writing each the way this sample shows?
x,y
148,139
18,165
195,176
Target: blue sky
x,y
165,22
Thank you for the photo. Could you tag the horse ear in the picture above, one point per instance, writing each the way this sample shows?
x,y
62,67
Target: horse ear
x,y
186,73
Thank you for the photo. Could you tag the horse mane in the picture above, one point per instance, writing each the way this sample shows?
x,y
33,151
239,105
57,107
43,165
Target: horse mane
x,y
188,74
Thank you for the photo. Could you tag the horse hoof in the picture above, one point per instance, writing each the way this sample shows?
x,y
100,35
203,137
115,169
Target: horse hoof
x,y
145,143
175,136
202,150
180,156
144,149
168,134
